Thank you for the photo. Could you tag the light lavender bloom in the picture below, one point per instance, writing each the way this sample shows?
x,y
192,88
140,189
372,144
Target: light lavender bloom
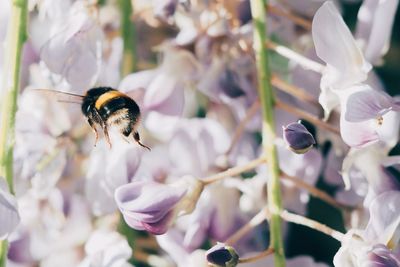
x,y
153,207
74,48
9,217
109,169
164,86
57,227
374,27
345,63
382,231
381,256
366,116
106,248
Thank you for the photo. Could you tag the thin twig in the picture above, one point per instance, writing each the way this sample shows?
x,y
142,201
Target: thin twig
x,y
257,257
256,220
233,171
293,90
296,57
301,220
240,128
305,23
305,115
316,192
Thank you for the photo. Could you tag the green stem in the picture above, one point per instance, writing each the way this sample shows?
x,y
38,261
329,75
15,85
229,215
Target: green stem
x,y
16,37
128,33
268,129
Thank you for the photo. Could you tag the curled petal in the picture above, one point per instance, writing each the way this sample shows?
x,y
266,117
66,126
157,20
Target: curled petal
x,y
148,205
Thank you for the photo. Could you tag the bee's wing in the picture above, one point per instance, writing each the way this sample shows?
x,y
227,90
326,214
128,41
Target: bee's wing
x,y
61,96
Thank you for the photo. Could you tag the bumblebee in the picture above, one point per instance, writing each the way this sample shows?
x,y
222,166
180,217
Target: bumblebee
x,y
106,107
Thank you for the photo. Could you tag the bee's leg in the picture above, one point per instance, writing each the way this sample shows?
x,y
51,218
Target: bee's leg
x,y
137,139
96,133
103,125
105,129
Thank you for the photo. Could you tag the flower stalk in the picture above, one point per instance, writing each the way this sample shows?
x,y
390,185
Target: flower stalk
x,y
268,129
128,32
16,36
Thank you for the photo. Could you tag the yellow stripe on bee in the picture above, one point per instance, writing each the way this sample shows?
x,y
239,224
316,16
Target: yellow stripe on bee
x,y
104,98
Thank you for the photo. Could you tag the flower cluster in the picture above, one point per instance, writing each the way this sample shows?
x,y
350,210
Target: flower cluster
x,y
191,66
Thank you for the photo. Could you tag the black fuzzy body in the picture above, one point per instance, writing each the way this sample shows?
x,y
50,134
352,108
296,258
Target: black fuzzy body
x,y
120,110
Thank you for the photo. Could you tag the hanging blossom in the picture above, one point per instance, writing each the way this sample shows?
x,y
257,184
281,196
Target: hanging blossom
x,y
380,239
151,206
335,45
363,108
74,48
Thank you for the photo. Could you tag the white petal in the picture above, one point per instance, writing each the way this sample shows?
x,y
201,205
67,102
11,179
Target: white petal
x,y
374,27
336,46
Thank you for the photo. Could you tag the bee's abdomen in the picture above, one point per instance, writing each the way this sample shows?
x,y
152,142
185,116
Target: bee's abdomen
x,y
117,103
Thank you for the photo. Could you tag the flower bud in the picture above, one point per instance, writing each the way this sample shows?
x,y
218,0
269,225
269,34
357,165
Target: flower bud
x,y
298,138
222,255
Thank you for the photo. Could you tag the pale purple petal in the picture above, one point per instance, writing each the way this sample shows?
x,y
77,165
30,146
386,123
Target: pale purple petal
x,y
384,218
9,217
148,205
74,49
106,248
140,79
358,134
374,27
367,104
381,256
336,46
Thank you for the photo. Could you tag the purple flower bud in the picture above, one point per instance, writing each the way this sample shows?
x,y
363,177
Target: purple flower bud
x,y
298,138
222,255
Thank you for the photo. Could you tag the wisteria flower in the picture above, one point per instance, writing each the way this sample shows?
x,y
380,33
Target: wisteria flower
x,y
106,248
9,217
335,45
374,27
153,206
164,87
380,235
365,115
74,48
109,169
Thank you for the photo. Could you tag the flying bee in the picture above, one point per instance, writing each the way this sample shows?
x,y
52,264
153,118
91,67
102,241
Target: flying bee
x,y
106,107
